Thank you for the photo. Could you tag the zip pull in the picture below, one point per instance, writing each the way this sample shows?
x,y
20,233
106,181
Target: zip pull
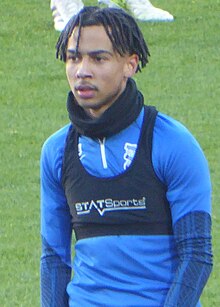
x,y
103,155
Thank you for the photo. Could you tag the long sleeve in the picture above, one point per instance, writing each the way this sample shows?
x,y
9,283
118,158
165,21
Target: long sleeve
x,y
55,275
56,230
182,166
193,239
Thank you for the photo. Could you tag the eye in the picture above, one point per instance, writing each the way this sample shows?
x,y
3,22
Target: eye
x,y
73,58
99,58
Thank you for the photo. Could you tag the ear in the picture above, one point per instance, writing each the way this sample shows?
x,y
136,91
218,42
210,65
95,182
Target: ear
x,y
131,65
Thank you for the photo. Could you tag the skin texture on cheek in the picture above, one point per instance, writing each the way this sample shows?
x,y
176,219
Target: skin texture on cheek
x,y
96,73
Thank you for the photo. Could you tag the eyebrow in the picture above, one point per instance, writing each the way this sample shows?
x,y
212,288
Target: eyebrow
x,y
90,53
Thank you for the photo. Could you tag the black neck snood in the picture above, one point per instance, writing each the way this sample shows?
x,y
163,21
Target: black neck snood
x,y
116,118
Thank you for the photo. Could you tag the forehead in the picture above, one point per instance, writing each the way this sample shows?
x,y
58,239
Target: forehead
x,y
90,37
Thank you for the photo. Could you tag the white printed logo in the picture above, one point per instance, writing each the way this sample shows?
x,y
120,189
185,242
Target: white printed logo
x,y
80,152
130,150
109,204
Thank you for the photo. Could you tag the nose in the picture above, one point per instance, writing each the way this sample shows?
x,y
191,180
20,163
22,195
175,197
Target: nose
x,y
84,69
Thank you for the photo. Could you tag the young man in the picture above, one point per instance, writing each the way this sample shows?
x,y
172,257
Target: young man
x,y
142,10
131,182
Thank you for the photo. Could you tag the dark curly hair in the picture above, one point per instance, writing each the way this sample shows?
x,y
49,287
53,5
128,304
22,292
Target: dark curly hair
x,y
120,27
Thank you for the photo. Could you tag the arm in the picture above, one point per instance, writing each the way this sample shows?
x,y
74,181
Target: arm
x,y
193,239
55,231
55,275
180,163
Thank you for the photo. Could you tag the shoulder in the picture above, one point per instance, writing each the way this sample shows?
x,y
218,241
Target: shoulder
x,y
56,142
53,149
57,139
168,127
174,147
182,166
173,135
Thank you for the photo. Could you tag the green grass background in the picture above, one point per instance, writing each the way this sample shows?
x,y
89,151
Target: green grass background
x,y
182,80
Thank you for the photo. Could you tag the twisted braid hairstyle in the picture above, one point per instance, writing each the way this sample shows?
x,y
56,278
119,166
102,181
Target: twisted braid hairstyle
x,y
121,28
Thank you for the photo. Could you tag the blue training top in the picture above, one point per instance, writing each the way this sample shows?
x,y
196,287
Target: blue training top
x,y
127,270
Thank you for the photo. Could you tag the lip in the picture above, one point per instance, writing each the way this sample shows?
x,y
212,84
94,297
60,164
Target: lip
x,y
85,91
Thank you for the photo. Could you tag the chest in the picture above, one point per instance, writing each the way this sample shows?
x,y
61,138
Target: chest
x,y
131,200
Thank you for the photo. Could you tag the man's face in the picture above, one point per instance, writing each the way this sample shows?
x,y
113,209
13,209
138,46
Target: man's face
x,y
97,74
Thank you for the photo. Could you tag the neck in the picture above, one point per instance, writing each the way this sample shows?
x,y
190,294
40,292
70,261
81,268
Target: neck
x,y
116,117
98,112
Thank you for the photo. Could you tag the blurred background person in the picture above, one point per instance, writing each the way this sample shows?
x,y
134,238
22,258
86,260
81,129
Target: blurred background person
x,y
142,10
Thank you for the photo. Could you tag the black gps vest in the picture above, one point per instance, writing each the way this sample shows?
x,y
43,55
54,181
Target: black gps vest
x,y
131,203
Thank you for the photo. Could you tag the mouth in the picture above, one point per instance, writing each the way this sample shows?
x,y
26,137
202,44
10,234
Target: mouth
x,y
85,91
